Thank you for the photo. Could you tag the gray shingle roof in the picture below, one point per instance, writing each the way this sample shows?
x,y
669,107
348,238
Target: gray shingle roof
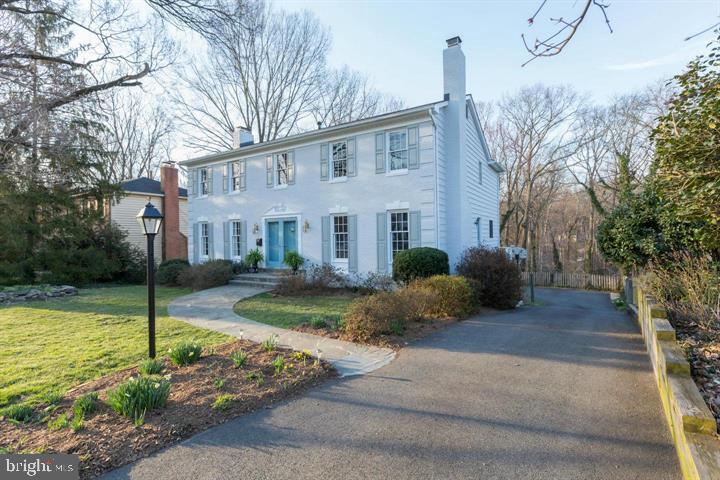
x,y
146,185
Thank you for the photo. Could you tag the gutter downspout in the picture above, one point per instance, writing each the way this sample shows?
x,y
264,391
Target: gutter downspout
x,y
433,112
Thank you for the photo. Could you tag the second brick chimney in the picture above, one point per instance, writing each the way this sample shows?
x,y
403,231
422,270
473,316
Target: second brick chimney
x,y
174,242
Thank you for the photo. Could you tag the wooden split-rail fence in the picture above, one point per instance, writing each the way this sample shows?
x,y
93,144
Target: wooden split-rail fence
x,y
589,281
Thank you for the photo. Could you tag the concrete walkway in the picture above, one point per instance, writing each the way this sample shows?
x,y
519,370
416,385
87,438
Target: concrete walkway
x,y
561,391
213,309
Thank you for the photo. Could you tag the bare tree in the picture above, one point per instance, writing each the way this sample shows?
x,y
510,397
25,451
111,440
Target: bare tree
x,y
45,70
136,137
346,95
266,79
269,74
532,138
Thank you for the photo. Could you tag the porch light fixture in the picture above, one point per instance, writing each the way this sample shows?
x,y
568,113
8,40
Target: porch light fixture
x,y
306,226
256,228
150,220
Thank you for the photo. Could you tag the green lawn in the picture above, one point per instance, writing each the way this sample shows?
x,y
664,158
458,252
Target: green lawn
x,y
55,345
289,312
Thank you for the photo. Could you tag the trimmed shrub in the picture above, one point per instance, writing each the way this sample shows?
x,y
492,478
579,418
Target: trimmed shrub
x,y
138,395
316,279
494,277
214,273
420,302
185,353
169,271
372,282
422,262
454,296
370,316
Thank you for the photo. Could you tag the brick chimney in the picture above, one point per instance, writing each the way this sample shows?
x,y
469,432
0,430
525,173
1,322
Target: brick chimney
x,y
174,242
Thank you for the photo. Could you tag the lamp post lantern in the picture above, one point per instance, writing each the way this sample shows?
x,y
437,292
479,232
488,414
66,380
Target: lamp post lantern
x,y
150,220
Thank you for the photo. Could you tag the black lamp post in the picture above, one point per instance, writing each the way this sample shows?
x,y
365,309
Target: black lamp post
x,y
150,220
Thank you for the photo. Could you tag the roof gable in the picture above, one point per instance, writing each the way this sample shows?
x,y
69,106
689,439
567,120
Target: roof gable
x,y
481,134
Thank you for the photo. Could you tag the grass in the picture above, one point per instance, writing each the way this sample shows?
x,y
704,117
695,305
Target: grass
x,y
290,312
52,346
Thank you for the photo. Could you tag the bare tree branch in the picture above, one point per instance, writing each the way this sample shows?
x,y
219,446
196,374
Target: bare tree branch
x,y
555,43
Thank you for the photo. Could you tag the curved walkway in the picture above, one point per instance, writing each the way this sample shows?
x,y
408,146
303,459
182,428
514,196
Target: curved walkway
x,y
213,309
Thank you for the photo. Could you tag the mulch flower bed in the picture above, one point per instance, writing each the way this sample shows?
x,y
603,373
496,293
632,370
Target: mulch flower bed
x,y
413,331
702,347
109,440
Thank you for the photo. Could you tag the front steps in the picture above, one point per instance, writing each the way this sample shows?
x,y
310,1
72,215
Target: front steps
x,y
268,279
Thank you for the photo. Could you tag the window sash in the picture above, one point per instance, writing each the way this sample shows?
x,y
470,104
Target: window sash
x,y
341,238
397,151
237,174
281,168
235,239
204,181
339,159
204,240
399,232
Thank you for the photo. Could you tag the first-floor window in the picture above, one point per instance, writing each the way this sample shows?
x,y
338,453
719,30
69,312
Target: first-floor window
x,y
490,226
204,240
399,232
340,237
235,238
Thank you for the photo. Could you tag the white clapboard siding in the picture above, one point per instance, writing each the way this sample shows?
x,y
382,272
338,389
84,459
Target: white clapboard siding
x,y
589,281
124,215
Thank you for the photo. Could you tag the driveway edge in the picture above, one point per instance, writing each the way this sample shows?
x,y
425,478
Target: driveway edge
x,y
692,425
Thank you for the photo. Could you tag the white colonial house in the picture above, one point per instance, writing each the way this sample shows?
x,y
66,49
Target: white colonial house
x,y
355,194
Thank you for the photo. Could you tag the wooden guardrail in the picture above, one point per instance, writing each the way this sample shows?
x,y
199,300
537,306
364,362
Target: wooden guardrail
x,y
691,424
590,281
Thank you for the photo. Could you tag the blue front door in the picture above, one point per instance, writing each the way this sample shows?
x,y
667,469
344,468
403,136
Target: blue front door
x,y
281,238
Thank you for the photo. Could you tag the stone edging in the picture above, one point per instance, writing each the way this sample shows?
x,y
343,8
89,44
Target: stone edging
x,y
40,293
691,423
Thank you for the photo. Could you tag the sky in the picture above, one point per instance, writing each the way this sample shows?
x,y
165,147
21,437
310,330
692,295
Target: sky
x,y
399,43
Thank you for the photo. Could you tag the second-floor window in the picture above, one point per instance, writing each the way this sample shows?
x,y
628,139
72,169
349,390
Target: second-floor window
x,y
397,150
204,240
399,232
339,159
204,181
237,175
340,237
281,166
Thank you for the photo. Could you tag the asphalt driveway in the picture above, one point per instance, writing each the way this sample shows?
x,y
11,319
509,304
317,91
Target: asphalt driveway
x,y
559,391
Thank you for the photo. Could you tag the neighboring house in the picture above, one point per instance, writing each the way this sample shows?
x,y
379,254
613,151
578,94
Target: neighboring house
x,y
168,198
355,194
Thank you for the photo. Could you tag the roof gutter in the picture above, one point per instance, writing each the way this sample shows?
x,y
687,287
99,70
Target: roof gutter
x,y
312,134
